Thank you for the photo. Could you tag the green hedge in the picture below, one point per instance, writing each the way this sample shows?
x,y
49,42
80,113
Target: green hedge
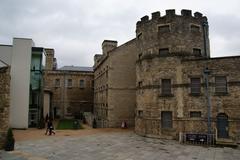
x,y
69,124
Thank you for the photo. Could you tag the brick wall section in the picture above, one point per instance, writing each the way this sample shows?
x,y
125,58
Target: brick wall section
x,y
4,103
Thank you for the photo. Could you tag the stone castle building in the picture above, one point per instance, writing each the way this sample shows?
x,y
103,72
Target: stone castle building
x,y
70,88
166,79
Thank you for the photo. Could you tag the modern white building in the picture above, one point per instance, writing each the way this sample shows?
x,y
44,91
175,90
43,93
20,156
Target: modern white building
x,y
25,87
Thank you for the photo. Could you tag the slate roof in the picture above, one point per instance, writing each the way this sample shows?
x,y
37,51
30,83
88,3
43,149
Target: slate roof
x,y
76,68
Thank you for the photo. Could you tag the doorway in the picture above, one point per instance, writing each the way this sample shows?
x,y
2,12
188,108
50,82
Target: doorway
x,y
222,125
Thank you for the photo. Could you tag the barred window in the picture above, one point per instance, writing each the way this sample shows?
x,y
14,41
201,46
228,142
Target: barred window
x,y
166,87
195,85
166,119
195,114
220,84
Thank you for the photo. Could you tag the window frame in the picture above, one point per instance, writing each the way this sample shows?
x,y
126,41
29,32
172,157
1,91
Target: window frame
x,y
219,87
57,82
163,87
80,84
192,88
165,123
69,81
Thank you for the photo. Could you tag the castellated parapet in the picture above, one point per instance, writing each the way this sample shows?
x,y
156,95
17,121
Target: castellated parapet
x,y
175,34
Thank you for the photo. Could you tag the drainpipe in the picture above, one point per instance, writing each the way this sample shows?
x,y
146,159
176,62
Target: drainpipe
x,y
206,73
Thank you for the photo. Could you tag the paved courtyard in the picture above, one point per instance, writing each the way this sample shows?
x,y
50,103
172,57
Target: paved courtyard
x,y
114,146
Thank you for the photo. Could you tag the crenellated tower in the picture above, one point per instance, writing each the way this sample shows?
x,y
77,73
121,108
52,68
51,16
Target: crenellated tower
x,y
164,43
173,34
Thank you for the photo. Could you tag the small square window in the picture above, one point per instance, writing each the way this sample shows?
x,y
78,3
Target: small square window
x,y
163,51
164,28
195,114
195,28
197,51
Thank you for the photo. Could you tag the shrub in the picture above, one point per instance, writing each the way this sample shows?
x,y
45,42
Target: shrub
x,y
10,141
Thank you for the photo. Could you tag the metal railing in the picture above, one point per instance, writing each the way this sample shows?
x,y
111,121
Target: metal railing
x,y
197,139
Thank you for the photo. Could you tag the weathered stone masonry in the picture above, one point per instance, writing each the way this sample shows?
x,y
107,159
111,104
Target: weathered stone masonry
x,y
4,103
175,48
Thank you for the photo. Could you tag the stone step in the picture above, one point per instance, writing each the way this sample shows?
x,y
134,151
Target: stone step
x,y
226,142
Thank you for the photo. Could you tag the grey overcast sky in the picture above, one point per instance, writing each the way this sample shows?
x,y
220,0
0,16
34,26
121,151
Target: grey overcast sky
x,y
76,28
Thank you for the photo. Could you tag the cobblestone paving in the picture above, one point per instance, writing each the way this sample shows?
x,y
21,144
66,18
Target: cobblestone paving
x,y
119,146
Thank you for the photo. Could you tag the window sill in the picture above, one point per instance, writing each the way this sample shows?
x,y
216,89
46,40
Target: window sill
x,y
221,94
168,129
166,95
195,94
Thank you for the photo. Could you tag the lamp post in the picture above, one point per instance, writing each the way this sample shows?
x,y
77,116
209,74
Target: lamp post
x,y
206,73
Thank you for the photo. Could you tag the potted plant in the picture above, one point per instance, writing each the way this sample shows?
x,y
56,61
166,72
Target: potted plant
x,y
10,141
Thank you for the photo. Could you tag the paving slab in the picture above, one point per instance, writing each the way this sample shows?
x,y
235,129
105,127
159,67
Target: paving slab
x,y
115,146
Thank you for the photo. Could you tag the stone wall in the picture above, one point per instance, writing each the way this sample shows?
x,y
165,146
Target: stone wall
x,y
182,102
70,100
4,103
115,86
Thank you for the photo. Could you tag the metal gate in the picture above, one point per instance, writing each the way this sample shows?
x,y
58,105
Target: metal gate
x,y
222,125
